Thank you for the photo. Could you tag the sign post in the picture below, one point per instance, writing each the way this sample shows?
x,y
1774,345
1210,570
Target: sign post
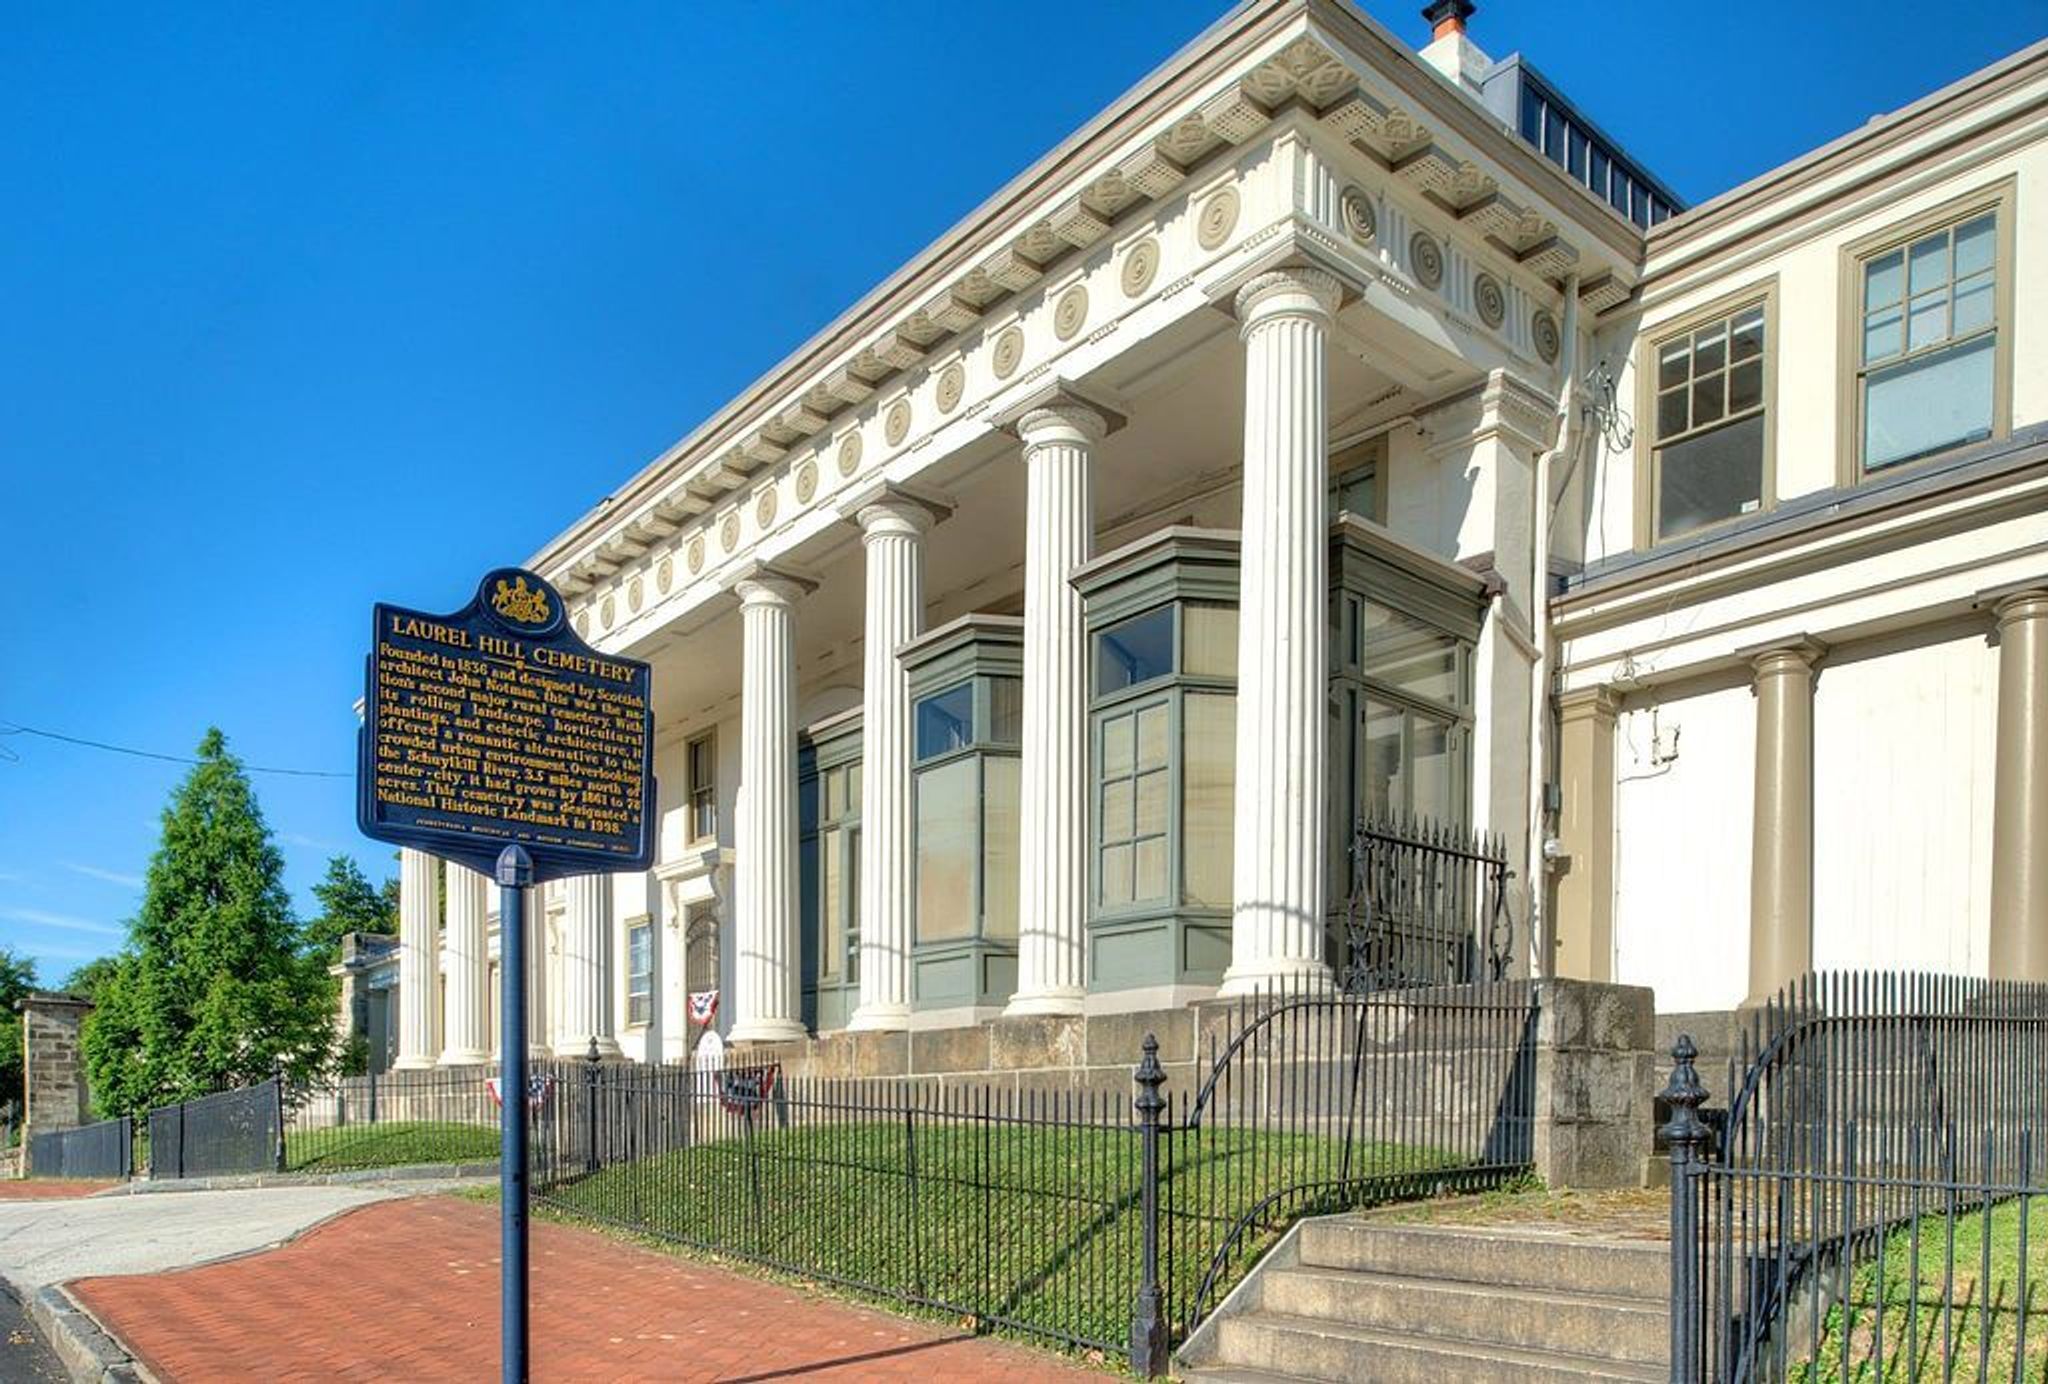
x,y
494,738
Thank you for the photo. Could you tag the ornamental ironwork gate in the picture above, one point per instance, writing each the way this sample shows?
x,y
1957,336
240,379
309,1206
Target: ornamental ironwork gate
x,y
1428,905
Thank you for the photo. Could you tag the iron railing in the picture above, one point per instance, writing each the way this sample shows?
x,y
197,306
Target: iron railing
x,y
1069,1211
1873,1205
104,1149
1428,905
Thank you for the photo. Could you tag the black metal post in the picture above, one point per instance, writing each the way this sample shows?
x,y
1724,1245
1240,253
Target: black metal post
x,y
590,1074
373,1089
515,876
277,1089
1148,1317
1685,1133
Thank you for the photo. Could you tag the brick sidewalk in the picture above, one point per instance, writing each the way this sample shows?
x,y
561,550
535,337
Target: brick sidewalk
x,y
409,1290
50,1188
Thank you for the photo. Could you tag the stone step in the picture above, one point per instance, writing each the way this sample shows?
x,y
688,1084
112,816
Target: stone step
x,y
1601,1325
1262,1344
1491,1255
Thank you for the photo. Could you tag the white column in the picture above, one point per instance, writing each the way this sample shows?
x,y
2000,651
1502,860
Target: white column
x,y
1059,535
468,1038
675,1006
419,980
540,977
1282,658
586,1006
765,1002
892,531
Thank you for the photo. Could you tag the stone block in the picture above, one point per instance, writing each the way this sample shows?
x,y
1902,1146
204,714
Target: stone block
x,y
1037,1040
1120,1038
945,1050
878,1054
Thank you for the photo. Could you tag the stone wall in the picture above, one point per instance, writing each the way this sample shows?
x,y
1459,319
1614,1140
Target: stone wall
x,y
1597,1078
54,1092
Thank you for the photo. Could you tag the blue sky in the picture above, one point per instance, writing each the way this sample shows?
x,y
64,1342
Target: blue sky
x,y
303,307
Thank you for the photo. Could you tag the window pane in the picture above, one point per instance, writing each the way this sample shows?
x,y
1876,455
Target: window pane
x,y
1149,813
1433,778
1006,710
835,793
1116,876
1208,774
1672,362
1148,882
1746,386
1411,655
1973,304
1884,282
1209,638
1118,797
1881,336
1118,741
945,721
1706,401
1671,413
1152,737
1380,762
1748,337
1975,243
1138,650
948,828
1927,264
1709,348
1924,405
999,796
1927,321
1716,475
831,902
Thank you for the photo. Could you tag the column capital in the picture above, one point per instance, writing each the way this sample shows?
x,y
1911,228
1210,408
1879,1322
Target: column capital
x,y
1297,291
2011,607
758,584
1793,654
1059,412
889,507
1598,703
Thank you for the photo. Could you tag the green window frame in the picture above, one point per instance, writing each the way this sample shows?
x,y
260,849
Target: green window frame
x,y
828,793
965,791
1404,685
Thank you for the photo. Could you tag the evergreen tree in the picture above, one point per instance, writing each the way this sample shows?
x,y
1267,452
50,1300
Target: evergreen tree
x,y
85,982
348,903
215,987
17,978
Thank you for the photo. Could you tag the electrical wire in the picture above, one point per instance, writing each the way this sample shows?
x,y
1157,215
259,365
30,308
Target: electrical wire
x,y
16,728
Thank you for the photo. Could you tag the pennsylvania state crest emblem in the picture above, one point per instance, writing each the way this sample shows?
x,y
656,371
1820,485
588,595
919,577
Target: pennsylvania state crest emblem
x,y
520,603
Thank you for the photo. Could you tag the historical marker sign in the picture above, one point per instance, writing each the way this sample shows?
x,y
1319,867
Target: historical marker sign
x,y
496,726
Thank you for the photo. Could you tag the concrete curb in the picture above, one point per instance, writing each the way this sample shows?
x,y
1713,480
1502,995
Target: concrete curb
x,y
419,1172
89,1352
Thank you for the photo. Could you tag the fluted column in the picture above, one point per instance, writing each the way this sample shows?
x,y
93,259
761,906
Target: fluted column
x,y
2019,814
675,1006
1781,819
468,1037
1059,535
892,531
587,1003
418,970
765,879
1277,926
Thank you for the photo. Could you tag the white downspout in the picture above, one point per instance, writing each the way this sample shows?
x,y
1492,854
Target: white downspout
x,y
1539,621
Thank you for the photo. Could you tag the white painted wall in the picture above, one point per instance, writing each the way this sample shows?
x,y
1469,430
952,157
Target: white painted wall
x,y
1681,864
1903,763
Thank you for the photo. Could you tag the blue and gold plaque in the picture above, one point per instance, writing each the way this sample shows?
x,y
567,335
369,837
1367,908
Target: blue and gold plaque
x,y
496,726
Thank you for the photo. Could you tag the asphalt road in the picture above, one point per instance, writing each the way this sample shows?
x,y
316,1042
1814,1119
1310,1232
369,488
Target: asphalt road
x,y
25,1357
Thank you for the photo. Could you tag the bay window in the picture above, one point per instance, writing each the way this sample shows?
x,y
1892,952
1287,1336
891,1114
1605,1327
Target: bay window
x,y
828,869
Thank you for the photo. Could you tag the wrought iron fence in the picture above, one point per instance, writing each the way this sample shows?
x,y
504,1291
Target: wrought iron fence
x,y
1873,1205
1428,906
104,1149
435,1116
226,1132
1074,1212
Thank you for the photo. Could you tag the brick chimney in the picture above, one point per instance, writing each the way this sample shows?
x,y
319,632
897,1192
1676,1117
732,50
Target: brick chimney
x,y
1450,51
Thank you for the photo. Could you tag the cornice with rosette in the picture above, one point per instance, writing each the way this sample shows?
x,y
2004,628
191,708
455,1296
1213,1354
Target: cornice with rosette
x,y
687,488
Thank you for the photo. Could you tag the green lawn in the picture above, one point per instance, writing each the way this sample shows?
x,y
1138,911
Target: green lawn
x,y
1922,1340
397,1144
1056,1246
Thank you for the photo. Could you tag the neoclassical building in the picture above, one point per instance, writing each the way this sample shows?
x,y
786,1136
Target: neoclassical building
x,y
1330,430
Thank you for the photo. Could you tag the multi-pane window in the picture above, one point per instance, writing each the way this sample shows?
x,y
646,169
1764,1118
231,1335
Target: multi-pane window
x,y
966,805
1164,758
1929,342
1405,686
1711,424
701,775
828,822
640,972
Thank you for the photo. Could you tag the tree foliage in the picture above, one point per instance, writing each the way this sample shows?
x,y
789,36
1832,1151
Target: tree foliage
x,y
17,978
214,987
348,903
85,982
